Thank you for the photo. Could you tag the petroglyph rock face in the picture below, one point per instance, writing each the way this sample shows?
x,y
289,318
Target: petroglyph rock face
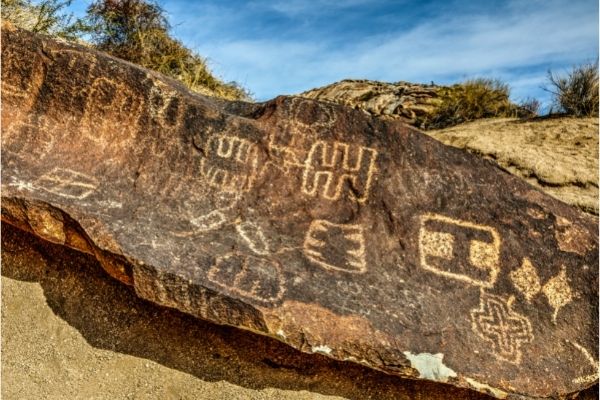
x,y
333,231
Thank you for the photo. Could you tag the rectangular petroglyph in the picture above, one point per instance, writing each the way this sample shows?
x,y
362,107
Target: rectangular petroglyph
x,y
336,247
332,168
459,249
231,163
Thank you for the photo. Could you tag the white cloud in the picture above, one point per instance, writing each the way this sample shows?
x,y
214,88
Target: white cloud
x,y
529,35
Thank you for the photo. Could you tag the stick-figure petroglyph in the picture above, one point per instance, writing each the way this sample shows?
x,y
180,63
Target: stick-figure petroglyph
x,y
231,163
586,379
332,166
336,247
504,329
67,183
459,249
557,289
249,276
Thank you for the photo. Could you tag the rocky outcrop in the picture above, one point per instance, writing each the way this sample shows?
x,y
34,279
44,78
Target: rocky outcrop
x,y
408,102
557,155
330,230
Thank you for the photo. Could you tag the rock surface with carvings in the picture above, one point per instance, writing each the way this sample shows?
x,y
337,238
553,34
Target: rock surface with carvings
x,y
328,229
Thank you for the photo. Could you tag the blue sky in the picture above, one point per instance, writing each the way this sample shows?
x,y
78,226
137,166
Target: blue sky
x,y
289,46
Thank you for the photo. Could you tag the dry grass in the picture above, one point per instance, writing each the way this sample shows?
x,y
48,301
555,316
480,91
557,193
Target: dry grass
x,y
577,92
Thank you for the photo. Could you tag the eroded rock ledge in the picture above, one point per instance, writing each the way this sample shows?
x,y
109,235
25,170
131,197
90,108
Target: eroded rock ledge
x,y
331,230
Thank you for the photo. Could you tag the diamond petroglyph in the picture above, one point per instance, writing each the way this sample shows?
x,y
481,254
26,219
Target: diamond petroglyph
x,y
249,276
231,163
557,290
336,247
332,168
526,280
459,249
67,183
499,325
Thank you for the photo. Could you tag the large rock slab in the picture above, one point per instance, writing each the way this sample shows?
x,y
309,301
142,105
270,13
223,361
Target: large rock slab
x,y
333,231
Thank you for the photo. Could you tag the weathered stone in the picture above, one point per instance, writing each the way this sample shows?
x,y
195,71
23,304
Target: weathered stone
x,y
333,231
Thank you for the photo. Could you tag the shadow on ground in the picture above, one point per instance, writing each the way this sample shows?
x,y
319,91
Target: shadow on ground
x,y
110,316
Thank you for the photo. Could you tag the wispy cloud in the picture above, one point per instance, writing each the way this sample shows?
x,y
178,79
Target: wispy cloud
x,y
280,47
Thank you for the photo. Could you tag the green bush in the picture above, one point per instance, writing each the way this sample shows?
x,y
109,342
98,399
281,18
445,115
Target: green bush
x,y
577,93
138,31
470,100
46,17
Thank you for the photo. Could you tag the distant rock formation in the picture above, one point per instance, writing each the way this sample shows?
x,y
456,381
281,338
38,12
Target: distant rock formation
x,y
331,230
405,101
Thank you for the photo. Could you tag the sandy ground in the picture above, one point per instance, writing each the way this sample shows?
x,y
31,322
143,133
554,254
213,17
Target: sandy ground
x,y
69,331
557,155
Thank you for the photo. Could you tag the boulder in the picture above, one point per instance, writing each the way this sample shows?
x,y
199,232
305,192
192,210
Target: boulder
x,y
331,230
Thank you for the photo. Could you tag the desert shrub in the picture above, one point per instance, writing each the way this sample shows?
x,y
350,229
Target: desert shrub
x,y
46,16
577,92
138,31
530,107
470,100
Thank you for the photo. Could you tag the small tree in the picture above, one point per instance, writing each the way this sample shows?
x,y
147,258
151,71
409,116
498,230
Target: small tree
x,y
46,16
577,93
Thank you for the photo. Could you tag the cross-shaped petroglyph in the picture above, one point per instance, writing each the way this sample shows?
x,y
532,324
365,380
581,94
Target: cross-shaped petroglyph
x,y
336,247
557,289
334,167
498,324
459,249
249,276
67,183
231,163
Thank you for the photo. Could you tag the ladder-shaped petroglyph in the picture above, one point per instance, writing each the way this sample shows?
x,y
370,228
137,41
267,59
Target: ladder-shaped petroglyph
x,y
231,163
557,290
459,249
336,247
249,276
67,183
590,378
254,237
332,168
503,328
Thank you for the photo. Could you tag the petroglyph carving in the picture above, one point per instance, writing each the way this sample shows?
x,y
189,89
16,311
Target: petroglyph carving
x,y
254,237
571,238
504,329
459,249
231,163
249,276
526,280
213,220
67,183
336,247
558,292
586,379
557,289
332,166
111,107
